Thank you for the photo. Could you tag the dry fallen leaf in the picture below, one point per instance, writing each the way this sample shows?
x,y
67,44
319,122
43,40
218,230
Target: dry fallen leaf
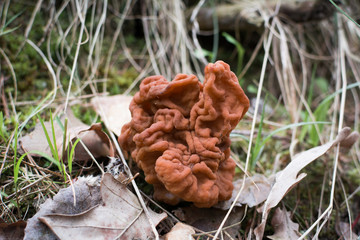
x,y
13,231
349,141
209,219
284,227
344,230
87,195
289,177
256,190
180,231
97,141
93,137
120,216
113,110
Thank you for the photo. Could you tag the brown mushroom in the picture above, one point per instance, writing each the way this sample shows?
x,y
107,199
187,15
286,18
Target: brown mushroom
x,y
179,134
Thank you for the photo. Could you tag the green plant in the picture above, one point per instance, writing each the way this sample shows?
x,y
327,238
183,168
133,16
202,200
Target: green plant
x,y
240,50
261,141
258,148
3,129
320,113
3,29
70,153
54,158
343,12
203,52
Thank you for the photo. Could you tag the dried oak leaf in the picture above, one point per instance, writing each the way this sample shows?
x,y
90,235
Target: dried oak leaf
x,y
120,216
284,227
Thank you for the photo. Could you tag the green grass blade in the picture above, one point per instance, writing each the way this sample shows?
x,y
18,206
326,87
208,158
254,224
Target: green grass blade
x,y
47,157
17,168
47,136
17,165
13,18
71,156
16,172
333,95
55,153
256,150
268,137
7,31
3,130
64,137
239,48
343,12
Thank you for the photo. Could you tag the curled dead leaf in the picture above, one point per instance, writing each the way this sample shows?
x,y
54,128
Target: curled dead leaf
x,y
284,227
349,141
96,140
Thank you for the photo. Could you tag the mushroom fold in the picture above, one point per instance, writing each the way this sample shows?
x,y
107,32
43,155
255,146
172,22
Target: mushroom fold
x,y
179,134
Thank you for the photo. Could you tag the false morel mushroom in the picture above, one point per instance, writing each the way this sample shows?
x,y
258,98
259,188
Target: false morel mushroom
x,y
179,134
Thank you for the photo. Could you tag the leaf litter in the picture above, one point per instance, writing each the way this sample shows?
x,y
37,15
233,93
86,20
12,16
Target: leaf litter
x,y
113,115
92,137
65,224
13,231
180,231
256,190
208,219
287,178
284,227
108,211
86,196
345,230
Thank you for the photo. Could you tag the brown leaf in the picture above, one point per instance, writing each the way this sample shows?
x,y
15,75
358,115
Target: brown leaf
x,y
87,195
93,137
120,216
180,231
209,219
349,141
13,231
289,177
36,140
344,230
113,110
284,227
255,191
97,141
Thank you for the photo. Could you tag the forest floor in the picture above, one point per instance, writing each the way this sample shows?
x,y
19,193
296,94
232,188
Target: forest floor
x,y
69,69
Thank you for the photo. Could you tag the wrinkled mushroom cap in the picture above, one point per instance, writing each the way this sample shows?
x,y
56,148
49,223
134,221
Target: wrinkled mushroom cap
x,y
179,134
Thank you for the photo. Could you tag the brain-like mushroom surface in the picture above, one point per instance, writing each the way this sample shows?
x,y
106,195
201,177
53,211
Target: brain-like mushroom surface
x,y
179,134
